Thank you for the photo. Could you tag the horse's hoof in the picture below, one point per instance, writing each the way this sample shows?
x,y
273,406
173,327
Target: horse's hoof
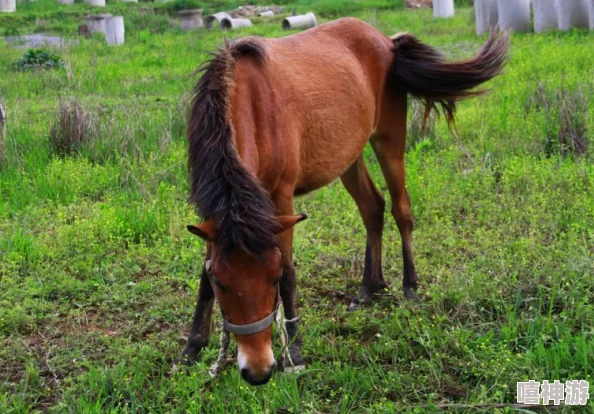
x,y
186,359
355,305
294,369
410,294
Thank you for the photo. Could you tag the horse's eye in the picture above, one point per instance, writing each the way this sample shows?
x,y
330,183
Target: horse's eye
x,y
221,287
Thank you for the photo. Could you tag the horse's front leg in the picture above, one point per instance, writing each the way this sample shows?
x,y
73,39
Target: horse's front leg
x,y
288,283
288,288
200,332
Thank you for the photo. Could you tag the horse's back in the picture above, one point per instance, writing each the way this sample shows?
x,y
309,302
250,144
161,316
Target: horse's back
x,y
321,90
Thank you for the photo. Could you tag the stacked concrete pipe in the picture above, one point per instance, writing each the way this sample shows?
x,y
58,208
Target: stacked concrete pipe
x,y
486,15
545,15
572,13
7,6
514,15
305,21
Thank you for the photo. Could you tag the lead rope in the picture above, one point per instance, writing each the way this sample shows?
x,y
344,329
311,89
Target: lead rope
x,y
281,324
222,360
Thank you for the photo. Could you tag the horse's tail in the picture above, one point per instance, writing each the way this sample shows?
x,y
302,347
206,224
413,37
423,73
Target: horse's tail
x,y
424,73
222,189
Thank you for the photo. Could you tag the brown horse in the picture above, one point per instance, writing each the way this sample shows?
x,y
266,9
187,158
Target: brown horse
x,y
276,118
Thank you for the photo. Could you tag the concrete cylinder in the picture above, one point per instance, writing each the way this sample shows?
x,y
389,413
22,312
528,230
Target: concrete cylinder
x,y
129,1
191,19
443,8
96,22
214,20
591,12
572,13
98,3
67,1
114,30
7,6
545,15
485,12
300,22
268,13
514,14
232,24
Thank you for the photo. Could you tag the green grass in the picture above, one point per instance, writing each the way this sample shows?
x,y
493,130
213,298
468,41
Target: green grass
x,y
98,275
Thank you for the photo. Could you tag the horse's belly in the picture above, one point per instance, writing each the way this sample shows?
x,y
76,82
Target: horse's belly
x,y
328,159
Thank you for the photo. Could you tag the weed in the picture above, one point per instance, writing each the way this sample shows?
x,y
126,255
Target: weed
x,y
564,113
34,59
73,127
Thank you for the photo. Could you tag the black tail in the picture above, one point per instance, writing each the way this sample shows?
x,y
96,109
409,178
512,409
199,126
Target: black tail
x,y
424,73
220,186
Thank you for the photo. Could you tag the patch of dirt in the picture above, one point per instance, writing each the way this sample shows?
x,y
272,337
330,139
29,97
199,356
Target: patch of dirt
x,y
418,4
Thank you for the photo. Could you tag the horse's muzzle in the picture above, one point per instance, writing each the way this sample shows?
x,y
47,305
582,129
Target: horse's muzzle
x,y
253,379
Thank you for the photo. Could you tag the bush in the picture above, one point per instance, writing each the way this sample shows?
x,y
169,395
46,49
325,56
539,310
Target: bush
x,y
39,59
173,7
73,127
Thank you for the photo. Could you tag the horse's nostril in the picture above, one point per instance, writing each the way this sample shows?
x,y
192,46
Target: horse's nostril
x,y
245,374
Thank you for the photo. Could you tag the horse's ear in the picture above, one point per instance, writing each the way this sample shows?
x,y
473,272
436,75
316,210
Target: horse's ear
x,y
286,222
206,230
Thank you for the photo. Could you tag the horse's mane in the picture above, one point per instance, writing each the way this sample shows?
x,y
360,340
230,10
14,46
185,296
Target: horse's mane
x,y
222,189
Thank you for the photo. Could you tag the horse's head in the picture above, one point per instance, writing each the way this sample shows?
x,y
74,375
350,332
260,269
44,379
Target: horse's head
x,y
247,288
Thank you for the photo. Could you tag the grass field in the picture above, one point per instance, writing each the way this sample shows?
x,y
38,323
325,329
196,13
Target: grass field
x,y
98,275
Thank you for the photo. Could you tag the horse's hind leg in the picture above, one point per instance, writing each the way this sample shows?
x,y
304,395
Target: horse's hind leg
x,y
371,207
389,144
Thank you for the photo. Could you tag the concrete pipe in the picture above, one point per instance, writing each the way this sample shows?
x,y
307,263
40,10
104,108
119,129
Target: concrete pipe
x,y
191,19
545,15
485,12
443,8
115,31
129,1
214,20
98,3
233,24
591,12
572,13
7,6
96,23
305,21
514,14
67,1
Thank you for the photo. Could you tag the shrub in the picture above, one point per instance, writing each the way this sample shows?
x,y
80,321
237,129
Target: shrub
x,y
73,127
39,59
173,7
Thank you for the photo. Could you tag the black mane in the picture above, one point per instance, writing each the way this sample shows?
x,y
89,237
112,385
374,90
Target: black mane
x,y
222,189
